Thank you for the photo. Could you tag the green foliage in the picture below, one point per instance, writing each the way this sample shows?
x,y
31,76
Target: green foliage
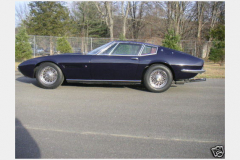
x,y
63,45
217,52
172,41
23,48
218,33
98,29
47,18
87,21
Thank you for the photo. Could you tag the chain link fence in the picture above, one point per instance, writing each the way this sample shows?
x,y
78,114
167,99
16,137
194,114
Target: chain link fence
x,y
198,49
47,45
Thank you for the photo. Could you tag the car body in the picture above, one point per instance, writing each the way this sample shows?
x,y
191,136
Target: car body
x,y
117,61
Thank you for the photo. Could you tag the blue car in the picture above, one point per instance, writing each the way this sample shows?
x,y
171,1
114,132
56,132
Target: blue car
x,y
116,62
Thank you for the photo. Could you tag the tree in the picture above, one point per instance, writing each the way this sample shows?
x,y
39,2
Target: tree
x,y
136,13
172,41
176,15
63,45
217,52
200,12
122,37
23,48
86,20
124,18
106,10
217,8
48,18
200,8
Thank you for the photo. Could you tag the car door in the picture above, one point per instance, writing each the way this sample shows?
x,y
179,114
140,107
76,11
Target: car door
x,y
119,62
75,66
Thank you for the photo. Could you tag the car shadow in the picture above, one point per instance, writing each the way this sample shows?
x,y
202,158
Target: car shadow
x,y
25,145
28,80
138,87
132,86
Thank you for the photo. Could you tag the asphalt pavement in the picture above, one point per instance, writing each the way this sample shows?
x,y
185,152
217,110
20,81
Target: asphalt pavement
x,y
113,121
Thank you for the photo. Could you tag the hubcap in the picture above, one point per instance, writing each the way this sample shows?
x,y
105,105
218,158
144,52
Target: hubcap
x,y
48,75
158,78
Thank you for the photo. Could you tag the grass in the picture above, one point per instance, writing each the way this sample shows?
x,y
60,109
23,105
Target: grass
x,y
212,70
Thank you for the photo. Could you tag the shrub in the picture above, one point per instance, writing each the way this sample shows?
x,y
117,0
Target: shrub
x,y
172,41
63,45
217,52
23,48
122,38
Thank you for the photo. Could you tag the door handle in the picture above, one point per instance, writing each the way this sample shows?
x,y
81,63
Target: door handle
x,y
134,58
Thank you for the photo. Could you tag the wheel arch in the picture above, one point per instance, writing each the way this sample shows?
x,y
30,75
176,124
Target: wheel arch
x,y
38,64
156,63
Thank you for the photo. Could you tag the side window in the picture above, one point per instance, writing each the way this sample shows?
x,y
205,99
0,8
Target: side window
x,y
127,49
108,50
149,50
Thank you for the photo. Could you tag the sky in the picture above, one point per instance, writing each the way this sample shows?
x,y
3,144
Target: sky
x,y
17,4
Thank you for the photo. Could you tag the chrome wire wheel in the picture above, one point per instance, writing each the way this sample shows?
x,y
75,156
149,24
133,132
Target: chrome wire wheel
x,y
158,78
48,75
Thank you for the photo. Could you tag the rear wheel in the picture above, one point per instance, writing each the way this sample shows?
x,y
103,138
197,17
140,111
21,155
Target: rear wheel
x,y
158,78
49,75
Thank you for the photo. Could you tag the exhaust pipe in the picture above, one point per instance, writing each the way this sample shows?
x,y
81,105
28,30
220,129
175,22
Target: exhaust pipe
x,y
189,80
195,80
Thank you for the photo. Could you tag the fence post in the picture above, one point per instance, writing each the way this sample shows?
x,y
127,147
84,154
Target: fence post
x,y
34,46
91,43
195,49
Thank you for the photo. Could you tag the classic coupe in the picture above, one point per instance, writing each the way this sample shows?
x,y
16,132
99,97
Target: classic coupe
x,y
128,62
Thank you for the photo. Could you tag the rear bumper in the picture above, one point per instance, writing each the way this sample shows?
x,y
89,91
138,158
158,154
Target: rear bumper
x,y
193,71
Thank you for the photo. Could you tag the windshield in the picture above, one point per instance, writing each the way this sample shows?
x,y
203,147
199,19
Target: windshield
x,y
95,51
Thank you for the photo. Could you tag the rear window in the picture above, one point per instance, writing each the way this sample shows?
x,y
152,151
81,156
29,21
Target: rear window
x,y
149,50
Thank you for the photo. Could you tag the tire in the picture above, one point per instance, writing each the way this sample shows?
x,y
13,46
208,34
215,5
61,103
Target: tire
x,y
158,78
49,75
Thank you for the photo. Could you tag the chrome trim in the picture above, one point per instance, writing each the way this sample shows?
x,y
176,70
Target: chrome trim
x,y
135,58
113,49
48,75
110,44
103,50
93,80
193,71
141,50
139,53
158,78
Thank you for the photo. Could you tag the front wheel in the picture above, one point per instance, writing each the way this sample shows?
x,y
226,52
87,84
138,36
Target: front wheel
x,y
158,78
49,75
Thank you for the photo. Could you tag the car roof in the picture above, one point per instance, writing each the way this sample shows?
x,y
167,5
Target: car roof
x,y
138,43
